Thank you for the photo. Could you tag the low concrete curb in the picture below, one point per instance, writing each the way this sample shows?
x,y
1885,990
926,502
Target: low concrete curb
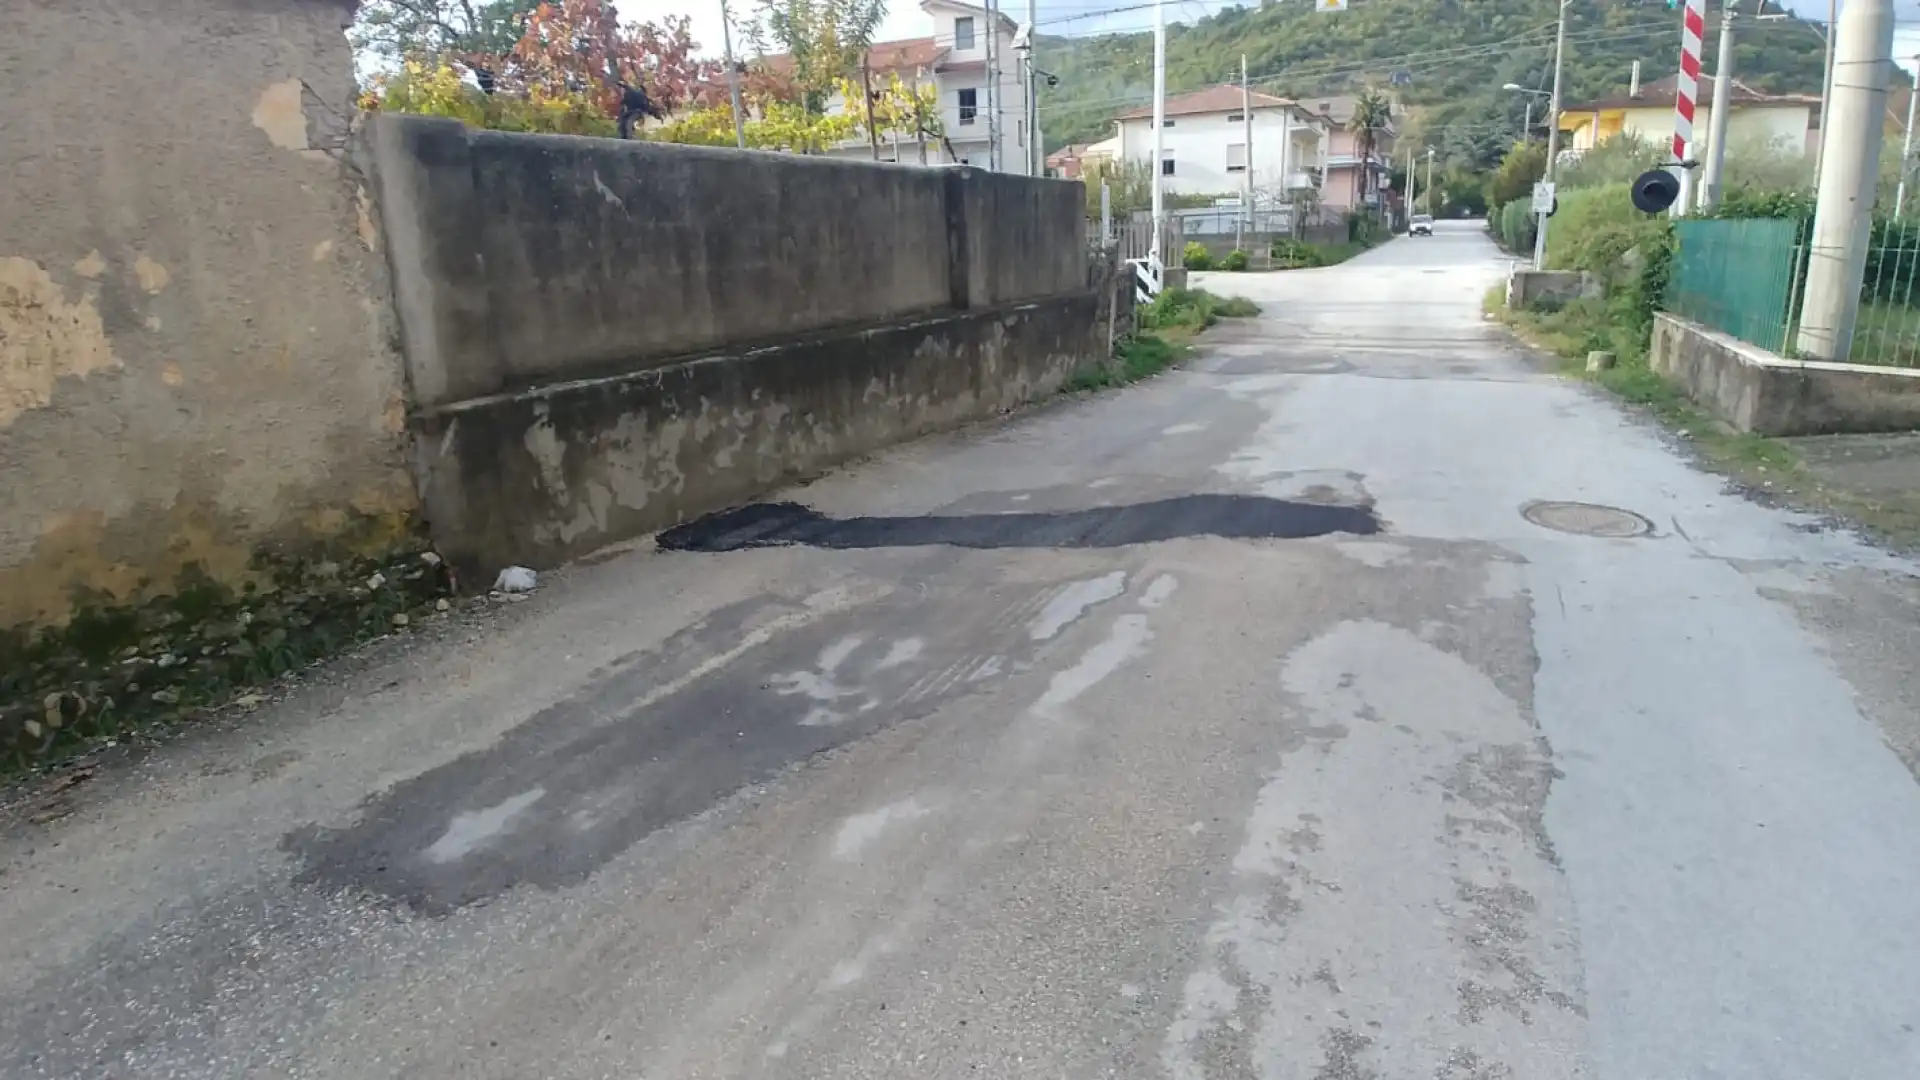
x,y
1761,392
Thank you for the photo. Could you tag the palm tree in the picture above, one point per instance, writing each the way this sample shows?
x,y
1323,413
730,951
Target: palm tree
x,y
1372,116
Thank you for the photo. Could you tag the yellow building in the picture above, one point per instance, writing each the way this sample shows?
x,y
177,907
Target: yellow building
x,y
1787,123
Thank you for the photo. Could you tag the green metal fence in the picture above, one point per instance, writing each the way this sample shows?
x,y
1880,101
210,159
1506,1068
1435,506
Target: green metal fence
x,y
1737,276
1887,330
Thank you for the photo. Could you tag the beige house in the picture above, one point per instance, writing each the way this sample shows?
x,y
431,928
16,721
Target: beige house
x,y
1787,123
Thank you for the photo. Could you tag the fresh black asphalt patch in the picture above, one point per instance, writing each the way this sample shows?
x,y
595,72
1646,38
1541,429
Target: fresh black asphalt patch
x,y
1233,517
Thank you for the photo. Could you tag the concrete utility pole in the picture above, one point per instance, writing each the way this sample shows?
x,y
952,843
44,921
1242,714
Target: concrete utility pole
x,y
1826,90
1036,154
1408,194
1246,134
1906,148
993,85
1849,177
1159,126
1429,180
733,78
1553,131
1710,180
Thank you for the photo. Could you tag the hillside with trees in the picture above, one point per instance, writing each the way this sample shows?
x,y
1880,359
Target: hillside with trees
x,y
1445,59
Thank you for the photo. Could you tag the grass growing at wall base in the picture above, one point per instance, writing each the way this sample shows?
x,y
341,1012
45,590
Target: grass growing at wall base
x,y
118,669
1139,357
1168,327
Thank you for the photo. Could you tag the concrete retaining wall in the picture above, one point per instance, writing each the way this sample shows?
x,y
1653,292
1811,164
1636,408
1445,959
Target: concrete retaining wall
x,y
197,355
605,338
1550,288
1761,392
538,477
521,259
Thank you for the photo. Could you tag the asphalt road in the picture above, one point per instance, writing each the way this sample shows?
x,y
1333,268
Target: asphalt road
x,y
1236,724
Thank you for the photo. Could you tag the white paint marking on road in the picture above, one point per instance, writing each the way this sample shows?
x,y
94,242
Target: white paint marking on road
x,y
819,684
1127,639
901,652
860,830
468,831
836,654
824,602
1103,482
1159,591
1131,991
1071,602
821,716
1182,429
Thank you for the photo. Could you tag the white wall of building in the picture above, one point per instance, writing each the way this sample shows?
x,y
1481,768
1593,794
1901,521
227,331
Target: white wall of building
x,y
969,138
1204,147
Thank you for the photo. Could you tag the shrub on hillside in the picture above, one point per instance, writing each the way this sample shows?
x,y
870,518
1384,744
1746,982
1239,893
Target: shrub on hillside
x,y
1513,226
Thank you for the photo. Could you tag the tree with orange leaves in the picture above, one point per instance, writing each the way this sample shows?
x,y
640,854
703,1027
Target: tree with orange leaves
x,y
579,48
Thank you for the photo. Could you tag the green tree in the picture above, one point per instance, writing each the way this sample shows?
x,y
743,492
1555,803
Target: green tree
x,y
1372,119
825,41
397,30
1457,53
1129,184
1524,164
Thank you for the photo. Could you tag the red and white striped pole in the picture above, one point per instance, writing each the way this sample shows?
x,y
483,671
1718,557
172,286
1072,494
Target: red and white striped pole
x,y
1693,28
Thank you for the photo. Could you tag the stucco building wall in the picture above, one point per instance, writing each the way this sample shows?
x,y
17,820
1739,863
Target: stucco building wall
x,y
198,358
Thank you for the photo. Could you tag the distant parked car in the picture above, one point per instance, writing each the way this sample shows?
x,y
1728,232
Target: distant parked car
x,y
1421,225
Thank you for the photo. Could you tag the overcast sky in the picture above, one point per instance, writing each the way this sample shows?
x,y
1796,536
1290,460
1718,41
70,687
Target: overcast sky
x,y
905,19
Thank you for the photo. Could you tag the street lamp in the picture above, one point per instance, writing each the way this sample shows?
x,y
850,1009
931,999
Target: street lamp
x,y
1527,131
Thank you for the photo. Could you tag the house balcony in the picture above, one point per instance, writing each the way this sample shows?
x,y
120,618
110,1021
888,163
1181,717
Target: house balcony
x,y
1303,180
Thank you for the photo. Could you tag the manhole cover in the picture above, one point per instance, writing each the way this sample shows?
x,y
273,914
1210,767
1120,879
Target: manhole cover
x,y
1586,519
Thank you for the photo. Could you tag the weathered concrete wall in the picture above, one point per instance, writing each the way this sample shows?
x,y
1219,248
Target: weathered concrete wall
x,y
1758,391
196,353
605,338
539,477
521,259
1550,288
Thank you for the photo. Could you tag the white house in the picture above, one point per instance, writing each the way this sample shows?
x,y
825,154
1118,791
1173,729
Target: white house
x,y
1297,146
1205,146
953,58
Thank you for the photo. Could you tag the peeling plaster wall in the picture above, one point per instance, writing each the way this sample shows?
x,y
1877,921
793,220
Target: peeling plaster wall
x,y
197,356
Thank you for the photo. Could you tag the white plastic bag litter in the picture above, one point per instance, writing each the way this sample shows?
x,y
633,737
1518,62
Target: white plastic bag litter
x,y
516,579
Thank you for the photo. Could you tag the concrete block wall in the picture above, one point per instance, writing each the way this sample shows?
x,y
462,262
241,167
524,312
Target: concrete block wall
x,y
522,259
604,338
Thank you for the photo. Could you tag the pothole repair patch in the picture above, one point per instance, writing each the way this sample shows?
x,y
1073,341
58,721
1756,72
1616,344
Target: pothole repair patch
x,y
1587,519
